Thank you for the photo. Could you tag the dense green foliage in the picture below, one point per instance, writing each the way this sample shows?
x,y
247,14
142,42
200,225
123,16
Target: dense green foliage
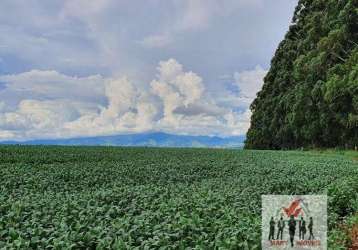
x,y
144,198
310,94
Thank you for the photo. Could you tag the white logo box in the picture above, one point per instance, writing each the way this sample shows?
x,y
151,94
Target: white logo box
x,y
305,233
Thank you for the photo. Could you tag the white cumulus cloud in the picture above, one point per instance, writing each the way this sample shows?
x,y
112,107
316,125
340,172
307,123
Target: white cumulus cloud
x,y
48,104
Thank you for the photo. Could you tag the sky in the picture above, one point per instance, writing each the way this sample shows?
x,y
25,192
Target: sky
x,y
73,68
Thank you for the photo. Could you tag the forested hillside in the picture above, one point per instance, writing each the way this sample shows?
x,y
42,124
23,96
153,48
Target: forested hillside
x,y
310,94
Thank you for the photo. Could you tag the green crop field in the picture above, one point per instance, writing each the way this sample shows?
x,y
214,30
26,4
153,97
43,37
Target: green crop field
x,y
150,198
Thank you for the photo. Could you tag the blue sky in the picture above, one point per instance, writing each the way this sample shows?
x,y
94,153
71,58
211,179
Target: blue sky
x,y
73,68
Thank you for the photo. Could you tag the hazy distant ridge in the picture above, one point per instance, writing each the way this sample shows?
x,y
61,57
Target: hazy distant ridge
x,y
144,139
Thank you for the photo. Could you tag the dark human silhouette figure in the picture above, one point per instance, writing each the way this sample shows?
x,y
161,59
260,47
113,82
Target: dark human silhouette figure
x,y
280,226
310,227
272,229
302,228
292,228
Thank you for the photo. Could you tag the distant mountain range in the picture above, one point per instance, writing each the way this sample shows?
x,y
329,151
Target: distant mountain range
x,y
157,139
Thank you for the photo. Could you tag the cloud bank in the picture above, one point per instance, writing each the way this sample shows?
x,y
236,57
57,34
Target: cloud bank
x,y
48,104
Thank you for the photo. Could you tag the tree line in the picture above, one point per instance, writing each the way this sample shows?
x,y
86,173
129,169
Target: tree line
x,y
310,94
